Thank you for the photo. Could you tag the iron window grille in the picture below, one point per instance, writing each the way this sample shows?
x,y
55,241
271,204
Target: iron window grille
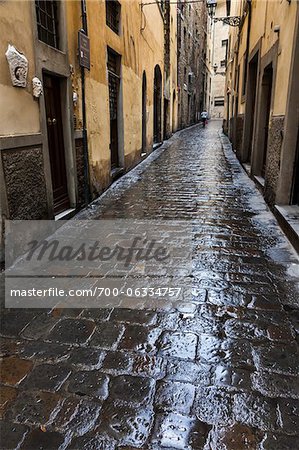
x,y
47,22
113,15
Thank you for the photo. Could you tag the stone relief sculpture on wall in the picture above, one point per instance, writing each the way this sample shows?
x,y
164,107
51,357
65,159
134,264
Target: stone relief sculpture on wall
x,y
37,87
18,66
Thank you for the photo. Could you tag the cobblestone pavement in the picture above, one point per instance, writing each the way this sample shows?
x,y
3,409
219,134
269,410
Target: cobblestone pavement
x,y
218,373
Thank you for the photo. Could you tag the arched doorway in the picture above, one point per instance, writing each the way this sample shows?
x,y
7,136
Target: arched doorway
x,y
173,111
144,112
157,104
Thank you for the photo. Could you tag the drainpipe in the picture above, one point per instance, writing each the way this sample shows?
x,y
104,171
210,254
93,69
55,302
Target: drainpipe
x,y
85,141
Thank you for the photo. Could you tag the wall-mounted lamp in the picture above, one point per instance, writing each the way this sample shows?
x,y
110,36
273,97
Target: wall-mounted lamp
x,y
233,21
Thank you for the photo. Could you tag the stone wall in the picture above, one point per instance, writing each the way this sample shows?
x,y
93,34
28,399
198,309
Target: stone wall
x,y
25,183
239,134
80,170
275,138
191,41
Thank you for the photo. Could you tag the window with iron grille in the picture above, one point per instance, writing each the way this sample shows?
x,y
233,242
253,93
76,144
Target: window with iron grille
x,y
113,66
113,15
47,21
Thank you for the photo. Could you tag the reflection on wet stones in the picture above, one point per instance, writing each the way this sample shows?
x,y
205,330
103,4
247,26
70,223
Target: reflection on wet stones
x,y
216,370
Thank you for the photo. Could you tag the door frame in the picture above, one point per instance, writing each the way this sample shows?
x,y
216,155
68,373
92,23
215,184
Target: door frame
x,y
249,126
270,58
55,62
120,120
291,127
144,114
60,106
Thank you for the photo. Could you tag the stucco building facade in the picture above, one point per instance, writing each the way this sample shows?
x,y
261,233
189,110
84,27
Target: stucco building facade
x,y
191,62
217,46
61,149
262,97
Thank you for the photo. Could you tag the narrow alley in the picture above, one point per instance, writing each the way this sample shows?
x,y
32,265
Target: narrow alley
x,y
217,372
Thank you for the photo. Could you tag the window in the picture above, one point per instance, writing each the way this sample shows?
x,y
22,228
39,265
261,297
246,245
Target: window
x,y
47,24
113,15
224,42
223,63
219,102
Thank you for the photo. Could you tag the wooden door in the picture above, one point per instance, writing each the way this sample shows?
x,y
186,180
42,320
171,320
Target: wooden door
x,y
113,66
55,143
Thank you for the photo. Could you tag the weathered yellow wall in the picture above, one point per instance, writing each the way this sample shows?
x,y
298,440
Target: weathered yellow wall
x,y
21,110
140,50
265,16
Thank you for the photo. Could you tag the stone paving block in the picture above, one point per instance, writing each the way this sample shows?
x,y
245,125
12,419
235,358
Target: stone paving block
x,y
236,437
46,440
173,431
86,358
14,370
237,329
78,417
7,394
189,372
13,321
236,353
127,425
97,314
10,347
92,441
65,312
262,303
45,351
47,377
134,316
232,377
72,331
39,327
178,345
149,366
91,383
33,407
118,362
228,297
214,405
288,415
107,335
276,385
201,323
131,389
168,321
256,411
12,434
174,396
140,338
279,358
279,442
282,333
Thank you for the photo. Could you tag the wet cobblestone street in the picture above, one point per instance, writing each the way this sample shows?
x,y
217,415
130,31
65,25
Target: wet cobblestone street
x,y
219,372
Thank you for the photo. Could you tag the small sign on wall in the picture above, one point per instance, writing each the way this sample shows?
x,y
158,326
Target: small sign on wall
x,y
84,50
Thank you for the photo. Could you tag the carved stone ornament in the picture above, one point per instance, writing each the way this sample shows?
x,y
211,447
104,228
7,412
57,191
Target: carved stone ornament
x,y
18,66
37,87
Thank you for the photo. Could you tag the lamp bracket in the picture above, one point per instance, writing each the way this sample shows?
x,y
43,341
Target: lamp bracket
x,y
233,21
